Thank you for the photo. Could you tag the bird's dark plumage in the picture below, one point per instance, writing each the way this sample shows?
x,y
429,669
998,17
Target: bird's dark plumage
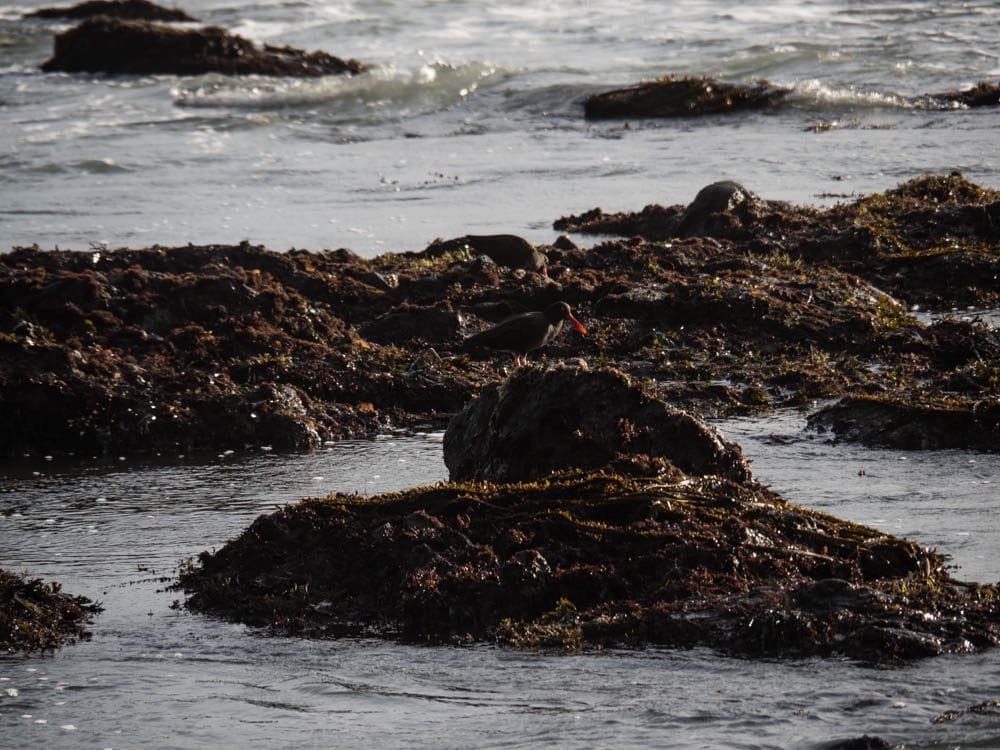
x,y
526,332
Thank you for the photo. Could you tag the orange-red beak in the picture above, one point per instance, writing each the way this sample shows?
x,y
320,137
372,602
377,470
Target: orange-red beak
x,y
579,326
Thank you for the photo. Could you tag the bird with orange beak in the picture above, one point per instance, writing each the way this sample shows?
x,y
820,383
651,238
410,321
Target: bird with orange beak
x,y
525,332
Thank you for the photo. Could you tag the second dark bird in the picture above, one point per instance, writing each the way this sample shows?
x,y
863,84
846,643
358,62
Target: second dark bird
x,y
525,332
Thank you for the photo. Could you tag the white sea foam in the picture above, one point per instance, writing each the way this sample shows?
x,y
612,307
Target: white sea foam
x,y
434,82
814,92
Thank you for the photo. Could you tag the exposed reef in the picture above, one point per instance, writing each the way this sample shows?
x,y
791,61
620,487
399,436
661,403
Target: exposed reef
x,y
733,304
36,616
683,97
609,557
116,46
931,423
135,10
697,96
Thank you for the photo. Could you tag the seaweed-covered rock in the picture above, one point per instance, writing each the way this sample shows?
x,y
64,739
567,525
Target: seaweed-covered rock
x,y
506,250
718,209
913,425
135,10
195,348
983,94
588,560
688,96
217,347
932,240
35,615
111,45
539,421
683,97
414,324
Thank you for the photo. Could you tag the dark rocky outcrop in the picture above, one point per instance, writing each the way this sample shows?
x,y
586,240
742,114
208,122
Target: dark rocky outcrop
x,y
895,239
134,10
36,616
115,46
683,97
506,250
632,551
722,208
983,94
415,324
932,423
537,422
693,96
765,305
589,560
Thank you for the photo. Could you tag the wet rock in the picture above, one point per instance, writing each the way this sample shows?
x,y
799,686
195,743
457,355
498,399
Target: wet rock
x,y
539,421
135,10
164,349
109,45
35,616
507,250
683,97
198,348
430,325
983,94
932,424
865,742
721,208
931,240
830,594
590,560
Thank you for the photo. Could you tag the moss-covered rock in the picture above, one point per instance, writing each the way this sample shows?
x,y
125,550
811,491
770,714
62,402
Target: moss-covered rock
x,y
914,424
538,421
764,305
35,615
683,97
594,559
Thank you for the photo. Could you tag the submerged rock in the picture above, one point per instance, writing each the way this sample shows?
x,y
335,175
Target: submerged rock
x,y
135,10
109,45
683,97
593,559
931,424
35,616
983,94
690,96
539,421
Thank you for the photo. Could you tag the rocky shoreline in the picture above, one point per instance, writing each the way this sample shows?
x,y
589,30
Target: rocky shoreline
x,y
730,305
589,504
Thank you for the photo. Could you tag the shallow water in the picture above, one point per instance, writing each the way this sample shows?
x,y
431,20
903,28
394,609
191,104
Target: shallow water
x,y
470,120
154,676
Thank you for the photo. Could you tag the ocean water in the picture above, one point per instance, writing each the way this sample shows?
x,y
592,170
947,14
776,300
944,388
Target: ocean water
x,y
471,119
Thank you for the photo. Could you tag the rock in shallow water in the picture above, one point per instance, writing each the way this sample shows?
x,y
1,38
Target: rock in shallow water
x,y
109,45
539,421
131,9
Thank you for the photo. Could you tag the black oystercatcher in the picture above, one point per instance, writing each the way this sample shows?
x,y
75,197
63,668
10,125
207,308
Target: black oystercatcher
x,y
523,333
